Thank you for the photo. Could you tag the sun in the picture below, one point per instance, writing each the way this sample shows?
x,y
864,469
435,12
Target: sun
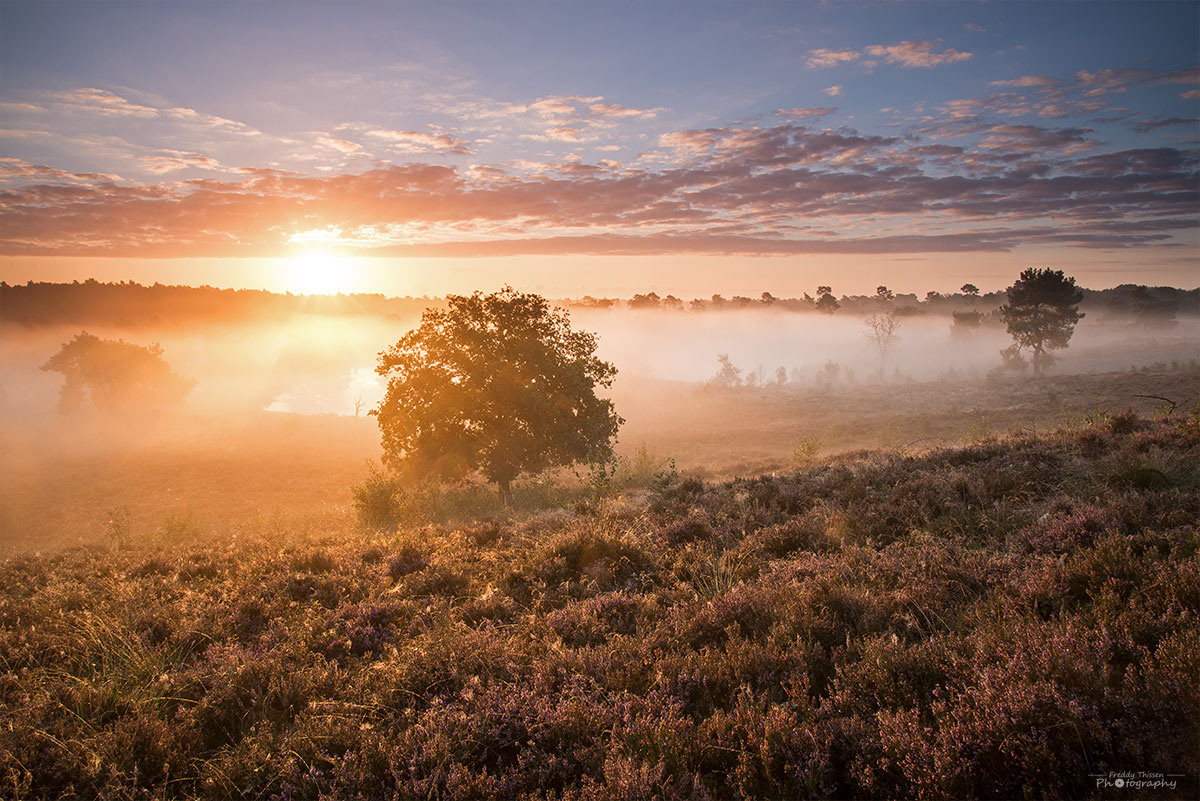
x,y
319,273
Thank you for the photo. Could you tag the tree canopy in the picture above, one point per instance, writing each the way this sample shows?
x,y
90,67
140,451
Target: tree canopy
x,y
495,383
826,302
114,374
1041,313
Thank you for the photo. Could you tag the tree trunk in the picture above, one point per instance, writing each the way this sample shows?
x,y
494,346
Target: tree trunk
x,y
1037,360
506,495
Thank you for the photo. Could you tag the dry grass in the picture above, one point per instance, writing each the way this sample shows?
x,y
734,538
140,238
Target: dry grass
x,y
726,433
994,621
67,483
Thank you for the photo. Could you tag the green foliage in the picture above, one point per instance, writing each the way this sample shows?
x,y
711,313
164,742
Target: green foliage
x,y
1041,313
114,374
497,383
386,500
980,428
376,500
805,451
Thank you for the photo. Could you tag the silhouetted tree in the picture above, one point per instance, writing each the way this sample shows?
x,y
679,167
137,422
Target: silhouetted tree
x,y
647,301
970,289
589,302
884,296
1041,313
881,331
115,374
729,375
826,302
498,383
1150,311
966,323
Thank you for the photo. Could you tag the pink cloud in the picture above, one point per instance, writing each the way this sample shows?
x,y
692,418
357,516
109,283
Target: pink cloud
x,y
917,54
1037,81
174,160
740,189
804,113
417,142
617,111
343,146
822,58
100,101
906,54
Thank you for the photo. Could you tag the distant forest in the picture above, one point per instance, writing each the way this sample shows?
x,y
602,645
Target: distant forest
x,y
127,303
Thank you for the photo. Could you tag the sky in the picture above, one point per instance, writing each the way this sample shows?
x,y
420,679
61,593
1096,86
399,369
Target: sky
x,y
599,147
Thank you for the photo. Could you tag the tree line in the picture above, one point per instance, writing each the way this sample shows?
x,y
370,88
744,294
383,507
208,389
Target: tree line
x,y
128,303
501,384
1148,305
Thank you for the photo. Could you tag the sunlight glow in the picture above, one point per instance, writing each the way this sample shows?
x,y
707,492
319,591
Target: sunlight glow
x,y
317,272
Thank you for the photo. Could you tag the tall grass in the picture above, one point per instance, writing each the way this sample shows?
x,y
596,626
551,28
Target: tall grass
x,y
1012,618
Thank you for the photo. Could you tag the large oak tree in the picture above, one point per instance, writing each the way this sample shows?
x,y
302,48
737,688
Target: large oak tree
x,y
495,383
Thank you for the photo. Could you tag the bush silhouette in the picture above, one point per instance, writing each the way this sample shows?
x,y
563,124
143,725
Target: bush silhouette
x,y
115,374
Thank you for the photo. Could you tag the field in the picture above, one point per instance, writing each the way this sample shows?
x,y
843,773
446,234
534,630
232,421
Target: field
x,y
834,586
1015,617
188,475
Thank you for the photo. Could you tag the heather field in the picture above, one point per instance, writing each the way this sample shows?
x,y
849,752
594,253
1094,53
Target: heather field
x,y
1011,618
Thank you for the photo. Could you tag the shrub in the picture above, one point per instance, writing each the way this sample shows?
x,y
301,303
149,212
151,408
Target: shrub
x,y
375,500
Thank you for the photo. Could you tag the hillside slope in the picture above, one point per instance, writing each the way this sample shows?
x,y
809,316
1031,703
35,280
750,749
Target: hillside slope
x,y
1017,618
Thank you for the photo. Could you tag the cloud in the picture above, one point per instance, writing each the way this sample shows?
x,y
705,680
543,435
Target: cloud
x,y
557,118
1093,94
1190,75
832,91
822,59
970,26
14,107
102,102
1027,139
343,146
14,168
743,189
907,54
209,122
1145,126
174,160
804,113
917,54
617,111
417,142
1038,81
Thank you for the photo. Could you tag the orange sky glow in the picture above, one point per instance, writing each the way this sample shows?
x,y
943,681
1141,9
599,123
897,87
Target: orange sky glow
x,y
735,149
